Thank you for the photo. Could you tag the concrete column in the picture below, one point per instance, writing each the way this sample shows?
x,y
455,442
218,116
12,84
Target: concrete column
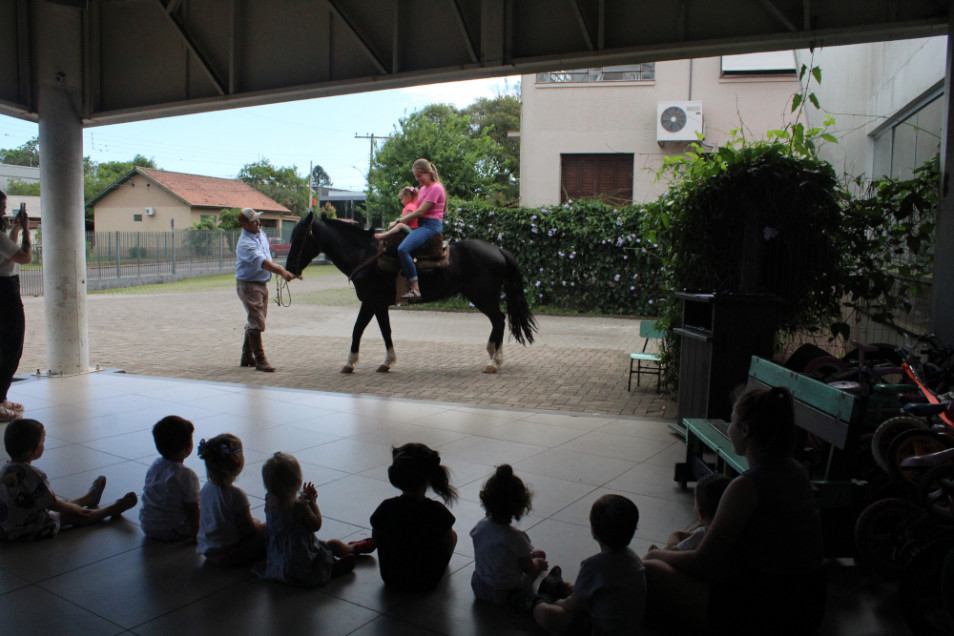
x,y
942,301
59,77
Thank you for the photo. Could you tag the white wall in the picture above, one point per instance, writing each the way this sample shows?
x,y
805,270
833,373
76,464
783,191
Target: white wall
x,y
864,85
621,117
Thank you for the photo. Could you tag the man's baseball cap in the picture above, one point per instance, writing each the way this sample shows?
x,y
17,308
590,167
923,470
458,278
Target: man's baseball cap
x,y
251,214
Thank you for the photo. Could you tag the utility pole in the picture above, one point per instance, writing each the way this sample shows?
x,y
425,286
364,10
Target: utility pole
x,y
311,171
372,137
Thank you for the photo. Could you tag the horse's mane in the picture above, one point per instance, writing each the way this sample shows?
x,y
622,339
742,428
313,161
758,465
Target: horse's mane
x,y
353,231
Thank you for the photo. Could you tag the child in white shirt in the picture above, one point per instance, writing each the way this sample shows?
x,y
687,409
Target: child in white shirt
x,y
506,565
709,491
228,534
170,497
609,596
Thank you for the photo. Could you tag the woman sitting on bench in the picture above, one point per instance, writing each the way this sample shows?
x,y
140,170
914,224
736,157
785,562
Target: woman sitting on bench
x,y
759,568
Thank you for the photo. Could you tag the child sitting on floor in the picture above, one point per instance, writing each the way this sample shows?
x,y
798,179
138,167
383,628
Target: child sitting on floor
x,y
170,496
709,491
609,596
414,535
228,534
294,553
505,563
29,509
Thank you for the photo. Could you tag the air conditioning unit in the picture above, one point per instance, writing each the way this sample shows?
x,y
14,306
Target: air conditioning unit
x,y
150,211
678,121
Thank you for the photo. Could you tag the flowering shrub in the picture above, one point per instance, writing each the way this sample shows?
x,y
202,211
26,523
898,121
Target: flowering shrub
x,y
579,256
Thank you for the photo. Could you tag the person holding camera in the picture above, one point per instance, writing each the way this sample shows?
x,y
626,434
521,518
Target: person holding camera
x,y
12,319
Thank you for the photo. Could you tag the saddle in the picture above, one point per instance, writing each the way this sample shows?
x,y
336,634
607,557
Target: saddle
x,y
432,255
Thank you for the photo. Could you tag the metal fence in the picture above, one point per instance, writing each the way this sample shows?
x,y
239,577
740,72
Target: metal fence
x,y
124,259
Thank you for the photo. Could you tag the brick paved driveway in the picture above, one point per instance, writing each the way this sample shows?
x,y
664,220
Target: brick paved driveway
x,y
577,364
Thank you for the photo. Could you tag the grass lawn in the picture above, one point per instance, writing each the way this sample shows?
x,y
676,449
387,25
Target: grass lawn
x,y
339,297
223,281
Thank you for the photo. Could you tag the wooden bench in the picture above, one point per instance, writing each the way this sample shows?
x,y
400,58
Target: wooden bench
x,y
826,416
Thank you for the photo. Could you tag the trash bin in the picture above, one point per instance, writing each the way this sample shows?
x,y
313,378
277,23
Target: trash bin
x,y
720,333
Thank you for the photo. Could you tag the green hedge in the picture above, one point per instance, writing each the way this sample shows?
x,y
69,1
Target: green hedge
x,y
579,256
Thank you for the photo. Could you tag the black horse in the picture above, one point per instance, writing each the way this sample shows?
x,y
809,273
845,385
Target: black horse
x,y
477,270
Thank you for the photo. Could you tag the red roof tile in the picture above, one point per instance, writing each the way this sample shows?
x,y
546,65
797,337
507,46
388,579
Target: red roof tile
x,y
213,192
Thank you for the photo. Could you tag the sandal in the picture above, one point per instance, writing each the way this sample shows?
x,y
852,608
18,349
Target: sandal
x,y
124,503
411,296
7,415
13,406
96,492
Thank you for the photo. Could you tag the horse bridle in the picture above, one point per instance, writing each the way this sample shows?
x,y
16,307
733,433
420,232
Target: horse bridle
x,y
308,235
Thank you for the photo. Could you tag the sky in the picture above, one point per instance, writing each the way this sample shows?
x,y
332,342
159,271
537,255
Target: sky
x,y
297,133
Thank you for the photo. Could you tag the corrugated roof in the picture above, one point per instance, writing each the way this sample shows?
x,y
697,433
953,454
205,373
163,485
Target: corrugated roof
x,y
212,192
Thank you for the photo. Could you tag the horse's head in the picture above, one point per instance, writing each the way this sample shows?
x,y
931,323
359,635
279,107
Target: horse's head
x,y
305,245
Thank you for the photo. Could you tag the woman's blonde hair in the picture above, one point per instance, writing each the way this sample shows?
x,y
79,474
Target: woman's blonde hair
x,y
282,477
423,165
223,458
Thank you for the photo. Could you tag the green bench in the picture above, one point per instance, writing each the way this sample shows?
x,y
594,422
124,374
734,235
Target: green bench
x,y
828,426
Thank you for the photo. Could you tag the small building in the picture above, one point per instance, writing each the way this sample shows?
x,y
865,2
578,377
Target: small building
x,y
26,174
148,200
347,203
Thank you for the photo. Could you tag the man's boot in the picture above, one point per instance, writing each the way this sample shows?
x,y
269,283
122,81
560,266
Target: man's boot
x,y
248,360
261,364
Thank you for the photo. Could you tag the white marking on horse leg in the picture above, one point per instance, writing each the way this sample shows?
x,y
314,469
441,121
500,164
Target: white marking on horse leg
x,y
389,361
493,364
498,357
349,365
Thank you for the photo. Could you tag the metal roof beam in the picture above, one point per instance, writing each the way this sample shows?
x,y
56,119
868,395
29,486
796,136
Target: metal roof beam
x,y
362,41
459,18
578,13
194,49
778,15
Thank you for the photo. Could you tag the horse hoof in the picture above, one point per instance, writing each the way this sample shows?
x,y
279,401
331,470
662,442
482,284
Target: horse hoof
x,y
347,369
383,368
490,369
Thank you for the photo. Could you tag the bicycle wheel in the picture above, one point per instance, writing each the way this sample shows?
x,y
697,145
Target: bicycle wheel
x,y
887,431
911,444
826,368
883,531
936,492
924,597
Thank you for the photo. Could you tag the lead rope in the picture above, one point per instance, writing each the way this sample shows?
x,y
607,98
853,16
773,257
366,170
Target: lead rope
x,y
281,291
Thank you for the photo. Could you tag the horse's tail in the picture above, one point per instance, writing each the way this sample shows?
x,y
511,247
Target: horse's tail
x,y
522,322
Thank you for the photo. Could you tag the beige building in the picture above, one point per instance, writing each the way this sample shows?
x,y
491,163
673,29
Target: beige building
x,y
147,200
604,132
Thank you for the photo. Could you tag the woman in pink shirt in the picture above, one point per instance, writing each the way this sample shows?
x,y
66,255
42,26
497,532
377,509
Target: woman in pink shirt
x,y
431,200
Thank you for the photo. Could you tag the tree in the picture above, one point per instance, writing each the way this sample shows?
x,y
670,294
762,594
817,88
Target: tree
x,y
320,178
229,219
282,185
18,186
26,155
442,134
496,118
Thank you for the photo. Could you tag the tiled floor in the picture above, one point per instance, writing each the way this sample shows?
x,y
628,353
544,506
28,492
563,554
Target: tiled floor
x,y
108,579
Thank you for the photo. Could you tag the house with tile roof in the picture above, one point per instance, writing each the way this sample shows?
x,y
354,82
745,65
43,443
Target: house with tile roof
x,y
148,200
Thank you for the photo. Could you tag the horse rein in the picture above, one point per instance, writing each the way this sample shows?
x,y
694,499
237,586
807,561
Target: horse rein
x,y
281,291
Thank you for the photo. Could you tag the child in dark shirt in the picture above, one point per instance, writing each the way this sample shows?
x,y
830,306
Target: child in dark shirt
x,y
414,535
